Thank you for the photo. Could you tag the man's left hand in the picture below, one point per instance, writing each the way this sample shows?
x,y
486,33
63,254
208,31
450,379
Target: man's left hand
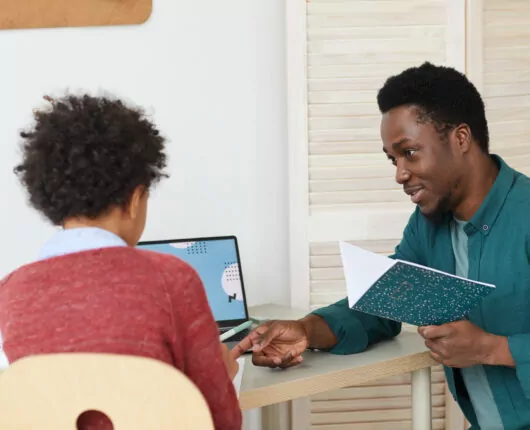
x,y
461,344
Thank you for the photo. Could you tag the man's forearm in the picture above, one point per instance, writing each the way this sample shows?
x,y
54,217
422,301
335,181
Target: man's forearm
x,y
318,332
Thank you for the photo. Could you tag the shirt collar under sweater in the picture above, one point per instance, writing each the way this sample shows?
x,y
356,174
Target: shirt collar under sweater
x,y
79,239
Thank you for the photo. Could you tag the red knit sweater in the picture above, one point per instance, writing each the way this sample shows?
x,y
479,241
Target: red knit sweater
x,y
119,300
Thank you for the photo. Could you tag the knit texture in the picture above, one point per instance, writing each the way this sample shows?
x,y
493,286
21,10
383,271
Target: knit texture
x,y
119,300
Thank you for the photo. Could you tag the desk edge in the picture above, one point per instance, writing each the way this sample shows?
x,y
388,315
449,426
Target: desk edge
x,y
291,390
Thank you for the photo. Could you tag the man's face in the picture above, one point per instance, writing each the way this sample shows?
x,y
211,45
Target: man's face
x,y
427,166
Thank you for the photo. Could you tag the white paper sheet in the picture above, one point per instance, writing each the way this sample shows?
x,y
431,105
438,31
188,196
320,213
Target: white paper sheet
x,y
239,377
4,364
361,269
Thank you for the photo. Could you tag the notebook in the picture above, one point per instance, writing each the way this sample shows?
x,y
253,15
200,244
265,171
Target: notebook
x,y
407,292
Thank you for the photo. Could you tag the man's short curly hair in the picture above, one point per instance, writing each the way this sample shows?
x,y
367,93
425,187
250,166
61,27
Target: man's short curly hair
x,y
85,155
443,95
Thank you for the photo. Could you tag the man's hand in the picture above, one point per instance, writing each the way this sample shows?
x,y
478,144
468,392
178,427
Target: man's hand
x,y
229,358
463,344
276,344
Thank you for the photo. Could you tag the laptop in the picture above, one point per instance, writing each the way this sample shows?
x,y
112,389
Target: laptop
x,y
217,261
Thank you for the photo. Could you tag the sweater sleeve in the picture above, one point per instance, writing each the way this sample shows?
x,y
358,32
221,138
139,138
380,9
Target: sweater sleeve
x,y
355,330
197,338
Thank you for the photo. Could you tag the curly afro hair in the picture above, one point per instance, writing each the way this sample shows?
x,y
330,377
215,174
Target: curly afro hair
x,y
85,155
444,97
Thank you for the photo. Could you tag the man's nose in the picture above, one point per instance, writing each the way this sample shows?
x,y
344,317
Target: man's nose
x,y
402,174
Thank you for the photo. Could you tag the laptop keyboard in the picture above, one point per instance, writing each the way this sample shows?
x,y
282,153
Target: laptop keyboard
x,y
238,336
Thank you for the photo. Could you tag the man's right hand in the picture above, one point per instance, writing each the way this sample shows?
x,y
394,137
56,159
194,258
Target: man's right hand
x,y
276,344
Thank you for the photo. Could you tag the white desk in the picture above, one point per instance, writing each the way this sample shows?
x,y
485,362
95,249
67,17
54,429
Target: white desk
x,y
321,372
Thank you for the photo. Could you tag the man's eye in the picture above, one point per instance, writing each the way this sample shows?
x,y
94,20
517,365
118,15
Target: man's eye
x,y
410,153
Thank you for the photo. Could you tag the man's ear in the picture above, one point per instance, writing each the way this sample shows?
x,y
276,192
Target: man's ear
x,y
133,207
462,136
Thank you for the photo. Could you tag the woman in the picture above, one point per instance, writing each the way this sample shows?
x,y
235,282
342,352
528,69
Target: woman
x,y
88,164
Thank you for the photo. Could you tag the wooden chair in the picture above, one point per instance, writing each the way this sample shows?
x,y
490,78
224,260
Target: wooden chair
x,y
52,391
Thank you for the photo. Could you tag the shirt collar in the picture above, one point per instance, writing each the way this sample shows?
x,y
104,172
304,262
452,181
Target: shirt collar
x,y
79,239
490,208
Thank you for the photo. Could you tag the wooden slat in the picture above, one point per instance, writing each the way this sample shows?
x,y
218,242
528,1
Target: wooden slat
x,y
384,68
350,172
347,122
370,404
369,416
374,46
353,185
376,33
437,424
332,248
372,13
363,196
379,392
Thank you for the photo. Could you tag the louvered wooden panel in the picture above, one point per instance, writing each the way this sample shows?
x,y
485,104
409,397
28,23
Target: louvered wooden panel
x,y
506,79
353,46
384,405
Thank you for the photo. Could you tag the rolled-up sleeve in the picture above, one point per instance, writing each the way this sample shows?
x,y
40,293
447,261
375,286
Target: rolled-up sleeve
x,y
519,345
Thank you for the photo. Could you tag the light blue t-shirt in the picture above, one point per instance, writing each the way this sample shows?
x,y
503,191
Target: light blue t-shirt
x,y
474,377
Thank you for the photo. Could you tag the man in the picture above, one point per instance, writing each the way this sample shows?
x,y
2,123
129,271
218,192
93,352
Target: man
x,y
471,219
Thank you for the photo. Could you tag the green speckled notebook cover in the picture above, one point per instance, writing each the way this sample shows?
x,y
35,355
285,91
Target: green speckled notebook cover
x,y
419,296
407,292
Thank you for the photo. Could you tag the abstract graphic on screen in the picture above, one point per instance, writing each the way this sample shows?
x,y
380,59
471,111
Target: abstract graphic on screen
x,y
216,263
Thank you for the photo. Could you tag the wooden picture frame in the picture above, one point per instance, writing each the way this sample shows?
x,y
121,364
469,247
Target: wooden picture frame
x,y
25,14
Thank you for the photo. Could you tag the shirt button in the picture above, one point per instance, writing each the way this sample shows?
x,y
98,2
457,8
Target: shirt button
x,y
485,227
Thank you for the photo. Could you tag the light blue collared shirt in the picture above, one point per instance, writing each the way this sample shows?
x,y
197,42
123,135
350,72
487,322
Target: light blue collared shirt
x,y
79,239
474,377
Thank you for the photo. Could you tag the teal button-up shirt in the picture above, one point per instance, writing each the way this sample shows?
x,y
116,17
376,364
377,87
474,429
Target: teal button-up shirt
x,y
499,253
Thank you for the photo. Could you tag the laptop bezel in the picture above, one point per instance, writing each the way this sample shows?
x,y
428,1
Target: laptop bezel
x,y
222,323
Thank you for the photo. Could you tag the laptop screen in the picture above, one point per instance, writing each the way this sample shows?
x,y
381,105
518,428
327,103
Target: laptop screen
x,y
217,262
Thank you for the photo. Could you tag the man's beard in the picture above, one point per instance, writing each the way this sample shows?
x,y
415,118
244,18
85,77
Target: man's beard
x,y
443,208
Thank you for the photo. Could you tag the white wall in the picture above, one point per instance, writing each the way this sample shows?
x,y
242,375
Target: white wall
x,y
213,74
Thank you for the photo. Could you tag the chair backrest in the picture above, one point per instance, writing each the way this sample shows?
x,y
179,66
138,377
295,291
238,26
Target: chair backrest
x,y
52,391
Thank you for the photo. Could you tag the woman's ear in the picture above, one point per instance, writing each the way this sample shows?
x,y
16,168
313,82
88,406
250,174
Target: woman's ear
x,y
135,201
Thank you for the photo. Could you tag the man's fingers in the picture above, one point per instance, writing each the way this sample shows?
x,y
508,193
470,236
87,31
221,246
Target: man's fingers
x,y
294,362
298,349
437,357
437,347
272,332
292,358
292,354
249,341
262,360
258,331
435,332
268,361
